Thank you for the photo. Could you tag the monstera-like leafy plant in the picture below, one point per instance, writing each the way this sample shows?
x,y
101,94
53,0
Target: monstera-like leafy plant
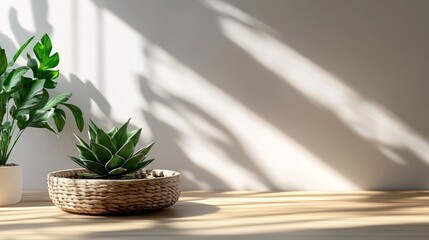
x,y
111,154
24,97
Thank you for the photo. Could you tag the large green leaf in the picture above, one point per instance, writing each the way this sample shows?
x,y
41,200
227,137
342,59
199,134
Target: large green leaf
x,y
77,114
43,115
62,98
115,162
43,68
104,139
127,150
3,61
59,121
120,136
31,98
132,163
14,78
61,112
26,102
20,50
39,125
102,153
42,50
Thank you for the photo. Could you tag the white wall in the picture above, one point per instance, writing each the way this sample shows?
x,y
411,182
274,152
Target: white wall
x,y
243,94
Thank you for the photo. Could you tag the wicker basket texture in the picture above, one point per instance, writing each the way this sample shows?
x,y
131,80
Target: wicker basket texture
x,y
144,191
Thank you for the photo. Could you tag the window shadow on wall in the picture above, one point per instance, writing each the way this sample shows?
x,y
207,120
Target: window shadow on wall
x,y
352,133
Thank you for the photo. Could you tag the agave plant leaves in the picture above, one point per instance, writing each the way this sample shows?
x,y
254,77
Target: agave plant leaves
x,y
141,165
145,150
104,139
112,131
102,153
120,136
81,141
86,153
127,150
133,161
94,166
78,161
115,162
117,171
135,136
104,148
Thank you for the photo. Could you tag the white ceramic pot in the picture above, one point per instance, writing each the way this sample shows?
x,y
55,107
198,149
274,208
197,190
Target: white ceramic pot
x,y
10,184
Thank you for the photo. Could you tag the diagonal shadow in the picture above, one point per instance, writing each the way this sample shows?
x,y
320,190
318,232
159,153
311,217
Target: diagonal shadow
x,y
336,139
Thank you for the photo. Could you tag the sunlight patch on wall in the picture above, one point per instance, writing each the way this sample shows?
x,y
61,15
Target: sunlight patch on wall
x,y
366,118
280,159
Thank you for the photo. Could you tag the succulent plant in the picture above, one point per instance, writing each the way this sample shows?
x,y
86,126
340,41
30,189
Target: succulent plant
x,y
111,154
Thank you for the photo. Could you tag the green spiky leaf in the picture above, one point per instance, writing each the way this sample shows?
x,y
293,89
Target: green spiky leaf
x,y
135,136
62,98
145,150
120,137
86,153
94,167
127,150
117,171
103,139
141,165
78,161
102,153
112,131
81,141
132,162
115,162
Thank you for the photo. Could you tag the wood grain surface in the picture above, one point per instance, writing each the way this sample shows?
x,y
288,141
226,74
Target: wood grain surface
x,y
234,215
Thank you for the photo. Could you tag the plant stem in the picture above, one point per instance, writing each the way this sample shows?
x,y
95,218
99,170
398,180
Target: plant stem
x,y
13,145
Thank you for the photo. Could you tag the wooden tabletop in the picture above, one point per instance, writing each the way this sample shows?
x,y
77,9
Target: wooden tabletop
x,y
234,215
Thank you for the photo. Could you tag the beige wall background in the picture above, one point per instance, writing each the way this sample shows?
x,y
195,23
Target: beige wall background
x,y
243,94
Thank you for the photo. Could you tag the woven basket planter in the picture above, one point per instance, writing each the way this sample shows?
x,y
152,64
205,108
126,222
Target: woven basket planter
x,y
149,190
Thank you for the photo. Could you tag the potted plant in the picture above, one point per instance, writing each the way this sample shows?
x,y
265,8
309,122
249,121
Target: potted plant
x,y
24,103
112,180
